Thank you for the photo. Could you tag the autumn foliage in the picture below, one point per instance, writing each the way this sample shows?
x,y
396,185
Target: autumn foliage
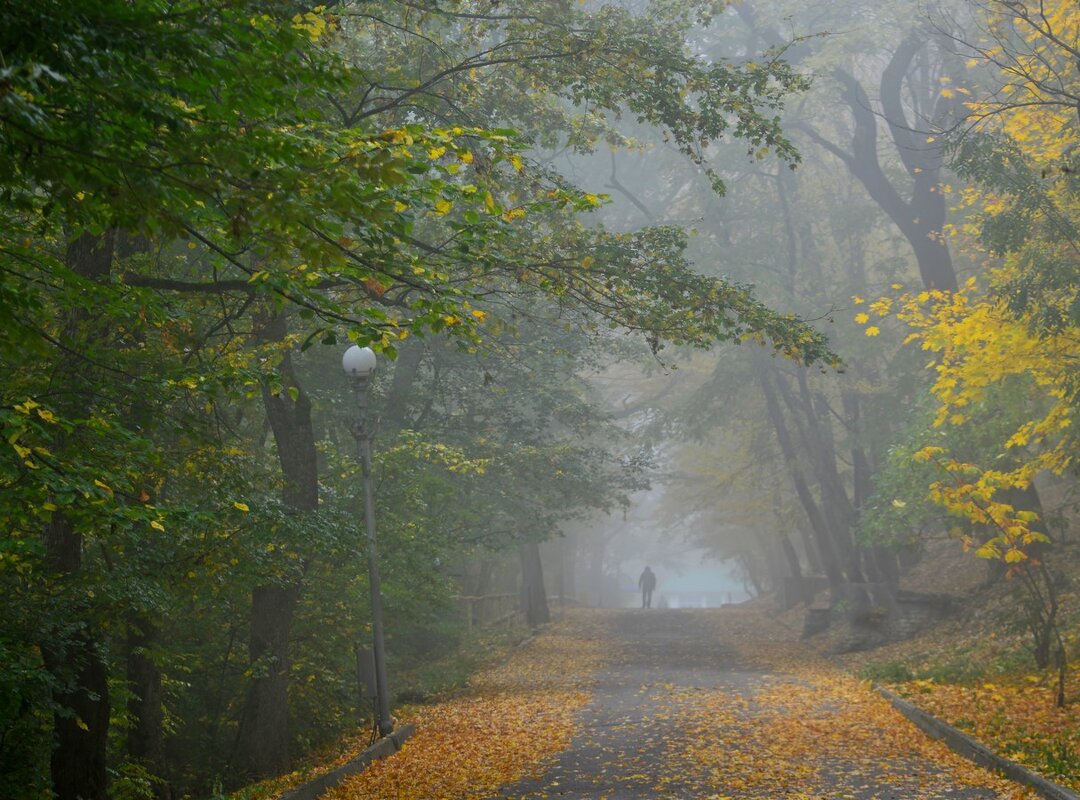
x,y
507,724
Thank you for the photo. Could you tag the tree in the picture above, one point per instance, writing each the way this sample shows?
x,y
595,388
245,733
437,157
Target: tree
x,y
1002,351
189,173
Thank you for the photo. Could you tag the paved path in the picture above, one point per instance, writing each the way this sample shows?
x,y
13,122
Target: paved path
x,y
682,713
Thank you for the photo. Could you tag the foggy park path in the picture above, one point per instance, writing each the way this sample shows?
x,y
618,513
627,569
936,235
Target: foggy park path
x,y
668,704
708,704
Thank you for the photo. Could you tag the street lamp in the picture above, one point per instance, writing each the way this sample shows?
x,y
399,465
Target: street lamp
x,y
359,365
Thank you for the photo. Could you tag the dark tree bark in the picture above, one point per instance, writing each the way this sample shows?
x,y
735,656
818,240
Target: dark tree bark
x,y
795,579
813,427
790,556
263,741
819,530
145,740
533,594
81,726
921,217
262,748
751,570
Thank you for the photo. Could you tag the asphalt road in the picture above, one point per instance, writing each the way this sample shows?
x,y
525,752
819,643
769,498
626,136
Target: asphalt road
x,y
683,712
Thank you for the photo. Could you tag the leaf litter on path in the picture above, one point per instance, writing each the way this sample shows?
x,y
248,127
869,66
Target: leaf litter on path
x,y
511,721
777,721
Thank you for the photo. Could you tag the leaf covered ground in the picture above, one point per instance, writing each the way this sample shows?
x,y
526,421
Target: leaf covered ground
x,y
509,723
976,671
986,684
1015,718
808,730
613,705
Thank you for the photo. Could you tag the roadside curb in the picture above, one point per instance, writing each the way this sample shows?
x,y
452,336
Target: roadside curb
x,y
975,751
317,787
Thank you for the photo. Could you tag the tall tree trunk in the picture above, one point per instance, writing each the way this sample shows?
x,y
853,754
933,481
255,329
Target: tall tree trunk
x,y
81,693
795,587
790,556
921,217
263,738
145,740
818,528
751,577
814,431
533,594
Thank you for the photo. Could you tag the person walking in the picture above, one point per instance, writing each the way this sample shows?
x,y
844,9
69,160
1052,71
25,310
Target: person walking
x,y
647,582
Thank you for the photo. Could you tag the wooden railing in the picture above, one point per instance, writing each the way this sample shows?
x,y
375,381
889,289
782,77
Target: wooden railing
x,y
490,609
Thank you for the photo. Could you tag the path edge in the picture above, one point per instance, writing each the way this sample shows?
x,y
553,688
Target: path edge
x,y
317,787
974,750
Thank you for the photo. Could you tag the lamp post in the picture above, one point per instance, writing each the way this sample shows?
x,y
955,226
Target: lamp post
x,y
359,365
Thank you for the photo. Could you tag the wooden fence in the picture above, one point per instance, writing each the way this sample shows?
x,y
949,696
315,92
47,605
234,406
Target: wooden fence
x,y
490,609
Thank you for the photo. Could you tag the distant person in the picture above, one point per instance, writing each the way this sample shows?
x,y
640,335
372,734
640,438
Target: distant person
x,y
647,582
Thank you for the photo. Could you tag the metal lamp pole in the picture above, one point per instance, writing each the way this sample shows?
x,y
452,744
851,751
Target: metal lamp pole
x,y
359,364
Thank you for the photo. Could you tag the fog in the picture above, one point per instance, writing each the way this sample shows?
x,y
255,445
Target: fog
x,y
740,292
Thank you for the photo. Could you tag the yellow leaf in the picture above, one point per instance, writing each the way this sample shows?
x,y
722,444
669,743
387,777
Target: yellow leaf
x,y
442,208
515,159
27,407
241,506
157,526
